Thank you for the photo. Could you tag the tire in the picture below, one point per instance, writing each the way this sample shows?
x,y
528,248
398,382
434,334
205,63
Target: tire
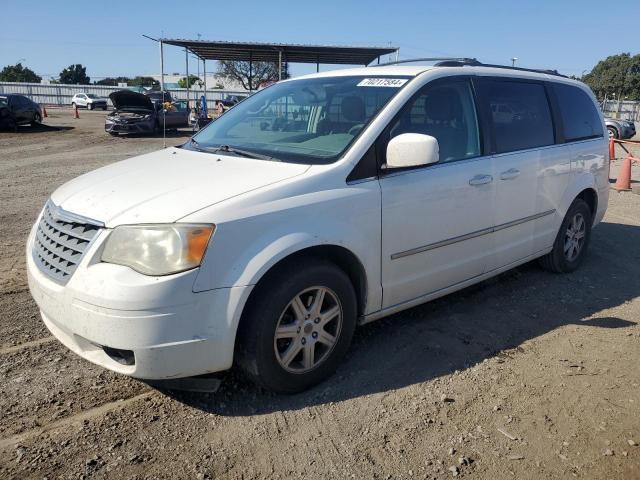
x,y
104,108
613,132
578,219
73,105
311,344
89,106
37,119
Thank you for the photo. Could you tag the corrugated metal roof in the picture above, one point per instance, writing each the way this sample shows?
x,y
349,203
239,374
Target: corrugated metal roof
x,y
269,52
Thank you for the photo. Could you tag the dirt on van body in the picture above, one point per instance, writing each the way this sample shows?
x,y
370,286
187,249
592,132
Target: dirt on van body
x,y
528,375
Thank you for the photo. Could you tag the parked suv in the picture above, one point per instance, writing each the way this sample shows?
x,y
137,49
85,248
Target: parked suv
x,y
88,100
315,205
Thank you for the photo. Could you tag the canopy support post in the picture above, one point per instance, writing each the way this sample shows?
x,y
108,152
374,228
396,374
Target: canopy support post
x,y
204,75
164,123
186,61
250,71
279,65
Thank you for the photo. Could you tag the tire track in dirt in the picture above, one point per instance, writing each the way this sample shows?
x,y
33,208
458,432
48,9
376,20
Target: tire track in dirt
x,y
51,427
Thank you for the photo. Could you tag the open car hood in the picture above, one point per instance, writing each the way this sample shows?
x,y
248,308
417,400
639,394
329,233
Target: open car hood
x,y
128,99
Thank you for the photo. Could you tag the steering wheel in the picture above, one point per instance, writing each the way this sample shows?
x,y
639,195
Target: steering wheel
x,y
355,129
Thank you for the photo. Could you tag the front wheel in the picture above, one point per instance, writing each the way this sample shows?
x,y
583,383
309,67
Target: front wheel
x,y
36,120
613,132
570,246
298,326
89,106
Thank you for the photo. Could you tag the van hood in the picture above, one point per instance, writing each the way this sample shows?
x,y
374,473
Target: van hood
x,y
123,99
167,185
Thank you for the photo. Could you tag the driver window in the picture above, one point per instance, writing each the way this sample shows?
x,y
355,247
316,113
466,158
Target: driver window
x,y
446,112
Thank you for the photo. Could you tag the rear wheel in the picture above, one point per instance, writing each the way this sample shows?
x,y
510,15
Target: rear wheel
x,y
298,326
89,106
570,246
73,105
104,108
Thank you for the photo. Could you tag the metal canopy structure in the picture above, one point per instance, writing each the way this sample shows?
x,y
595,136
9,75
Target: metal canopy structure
x,y
281,52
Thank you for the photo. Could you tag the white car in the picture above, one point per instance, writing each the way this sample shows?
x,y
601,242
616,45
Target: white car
x,y
315,205
88,100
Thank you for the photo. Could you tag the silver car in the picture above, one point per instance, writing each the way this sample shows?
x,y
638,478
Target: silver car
x,y
621,129
88,100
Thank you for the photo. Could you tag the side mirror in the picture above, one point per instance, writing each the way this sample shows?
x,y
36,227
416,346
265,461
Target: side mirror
x,y
412,150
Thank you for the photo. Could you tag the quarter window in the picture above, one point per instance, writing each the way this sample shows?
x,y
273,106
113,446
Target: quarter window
x,y
446,112
520,114
580,119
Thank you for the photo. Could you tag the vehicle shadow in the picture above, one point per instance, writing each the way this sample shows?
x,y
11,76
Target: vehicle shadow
x,y
39,128
180,133
460,330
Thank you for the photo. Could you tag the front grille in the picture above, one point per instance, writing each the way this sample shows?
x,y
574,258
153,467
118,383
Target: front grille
x,y
60,242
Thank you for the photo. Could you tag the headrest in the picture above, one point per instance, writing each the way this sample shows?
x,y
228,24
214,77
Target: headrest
x,y
443,105
353,109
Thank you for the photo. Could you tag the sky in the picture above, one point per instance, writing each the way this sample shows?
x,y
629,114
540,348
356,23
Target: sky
x,y
106,37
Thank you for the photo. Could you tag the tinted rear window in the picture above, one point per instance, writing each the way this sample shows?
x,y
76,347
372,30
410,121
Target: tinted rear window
x,y
580,119
521,115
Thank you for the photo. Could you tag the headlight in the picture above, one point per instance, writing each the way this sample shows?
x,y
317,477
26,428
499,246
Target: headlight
x,y
158,249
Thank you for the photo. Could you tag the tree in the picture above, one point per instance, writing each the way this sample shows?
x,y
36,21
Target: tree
x,y
113,82
182,83
143,82
18,73
619,74
239,71
75,74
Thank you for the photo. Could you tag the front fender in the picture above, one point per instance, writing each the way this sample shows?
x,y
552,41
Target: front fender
x,y
250,240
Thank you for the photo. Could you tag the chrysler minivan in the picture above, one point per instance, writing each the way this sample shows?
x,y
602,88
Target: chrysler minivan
x,y
313,206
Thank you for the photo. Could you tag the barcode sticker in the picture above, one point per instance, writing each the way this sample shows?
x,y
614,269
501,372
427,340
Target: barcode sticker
x,y
382,82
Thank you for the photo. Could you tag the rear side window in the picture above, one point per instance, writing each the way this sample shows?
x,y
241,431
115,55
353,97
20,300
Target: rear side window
x,y
580,119
520,114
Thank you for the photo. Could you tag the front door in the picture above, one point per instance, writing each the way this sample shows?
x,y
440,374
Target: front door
x,y
437,220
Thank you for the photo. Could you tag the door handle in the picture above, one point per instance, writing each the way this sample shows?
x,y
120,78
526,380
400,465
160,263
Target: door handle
x,y
510,174
480,180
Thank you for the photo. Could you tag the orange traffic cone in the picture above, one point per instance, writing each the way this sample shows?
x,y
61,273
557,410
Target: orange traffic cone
x,y
76,114
44,112
612,149
623,182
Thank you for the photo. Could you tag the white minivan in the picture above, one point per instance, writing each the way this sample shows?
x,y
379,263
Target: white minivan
x,y
315,205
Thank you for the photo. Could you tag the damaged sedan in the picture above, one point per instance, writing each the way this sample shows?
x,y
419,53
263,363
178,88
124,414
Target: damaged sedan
x,y
136,113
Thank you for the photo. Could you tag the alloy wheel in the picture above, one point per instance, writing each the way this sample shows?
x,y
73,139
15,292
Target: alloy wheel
x,y
308,329
574,237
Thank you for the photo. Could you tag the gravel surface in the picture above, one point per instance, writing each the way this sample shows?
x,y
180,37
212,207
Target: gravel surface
x,y
527,375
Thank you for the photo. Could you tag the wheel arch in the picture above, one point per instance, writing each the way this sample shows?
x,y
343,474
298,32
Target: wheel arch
x,y
590,197
340,256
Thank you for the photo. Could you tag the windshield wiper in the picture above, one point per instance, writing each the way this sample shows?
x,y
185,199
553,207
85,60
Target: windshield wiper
x,y
232,150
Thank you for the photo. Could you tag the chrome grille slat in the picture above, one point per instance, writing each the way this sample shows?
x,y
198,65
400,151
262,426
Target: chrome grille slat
x,y
60,242
53,236
82,231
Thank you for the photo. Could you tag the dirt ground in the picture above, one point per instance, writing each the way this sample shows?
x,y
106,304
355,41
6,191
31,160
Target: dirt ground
x,y
529,375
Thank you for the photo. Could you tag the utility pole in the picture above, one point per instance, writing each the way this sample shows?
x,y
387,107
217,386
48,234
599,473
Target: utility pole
x,y
513,61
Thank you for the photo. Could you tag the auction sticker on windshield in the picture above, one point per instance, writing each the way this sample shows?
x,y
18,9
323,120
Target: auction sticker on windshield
x,y
382,82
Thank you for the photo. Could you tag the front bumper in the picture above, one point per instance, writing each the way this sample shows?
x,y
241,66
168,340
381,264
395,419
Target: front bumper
x,y
141,127
145,327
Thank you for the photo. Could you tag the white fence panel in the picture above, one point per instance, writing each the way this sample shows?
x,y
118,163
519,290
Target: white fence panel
x,y
60,95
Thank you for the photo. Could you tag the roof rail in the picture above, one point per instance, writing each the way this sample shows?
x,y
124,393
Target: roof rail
x,y
458,60
471,62
535,70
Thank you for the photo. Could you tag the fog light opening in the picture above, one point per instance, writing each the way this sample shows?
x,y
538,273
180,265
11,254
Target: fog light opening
x,y
123,357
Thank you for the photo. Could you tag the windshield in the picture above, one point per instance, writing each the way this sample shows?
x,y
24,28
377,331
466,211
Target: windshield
x,y
309,121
